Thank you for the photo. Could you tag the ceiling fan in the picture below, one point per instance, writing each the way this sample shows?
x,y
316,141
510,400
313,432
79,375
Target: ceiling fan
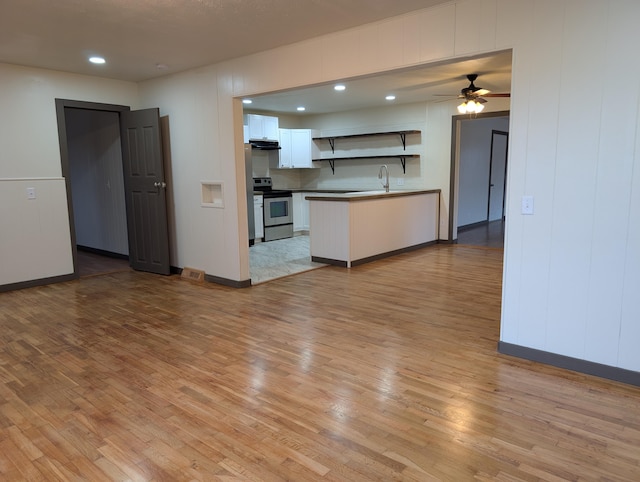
x,y
473,97
473,91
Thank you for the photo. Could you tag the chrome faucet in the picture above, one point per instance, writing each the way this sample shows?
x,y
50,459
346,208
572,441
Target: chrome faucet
x,y
385,183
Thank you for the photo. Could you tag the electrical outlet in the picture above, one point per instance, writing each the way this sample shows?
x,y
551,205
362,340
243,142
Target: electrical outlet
x,y
400,181
527,205
31,193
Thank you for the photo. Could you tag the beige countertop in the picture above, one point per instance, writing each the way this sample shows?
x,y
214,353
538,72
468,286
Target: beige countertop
x,y
366,195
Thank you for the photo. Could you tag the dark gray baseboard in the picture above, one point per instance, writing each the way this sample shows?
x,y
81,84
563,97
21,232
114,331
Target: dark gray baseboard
x,y
467,227
357,262
37,282
102,252
334,262
227,282
575,364
392,253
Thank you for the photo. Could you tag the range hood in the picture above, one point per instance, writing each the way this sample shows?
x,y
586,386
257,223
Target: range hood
x,y
264,145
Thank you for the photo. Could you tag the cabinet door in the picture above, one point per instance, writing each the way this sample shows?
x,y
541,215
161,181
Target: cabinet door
x,y
262,127
300,148
270,128
285,148
258,216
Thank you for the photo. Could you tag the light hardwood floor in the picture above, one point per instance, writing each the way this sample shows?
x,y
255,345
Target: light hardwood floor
x,y
387,371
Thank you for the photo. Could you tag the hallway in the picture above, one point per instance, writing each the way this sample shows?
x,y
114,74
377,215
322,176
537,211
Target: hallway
x,y
489,235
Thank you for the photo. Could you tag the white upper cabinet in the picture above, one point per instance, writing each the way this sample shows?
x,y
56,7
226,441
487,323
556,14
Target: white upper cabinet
x,y
285,148
262,127
297,148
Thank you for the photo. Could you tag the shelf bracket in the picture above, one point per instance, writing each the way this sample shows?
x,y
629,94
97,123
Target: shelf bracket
x,y
403,161
332,163
403,138
332,143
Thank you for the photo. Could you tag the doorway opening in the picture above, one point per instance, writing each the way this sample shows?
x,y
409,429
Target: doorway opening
x,y
478,179
113,167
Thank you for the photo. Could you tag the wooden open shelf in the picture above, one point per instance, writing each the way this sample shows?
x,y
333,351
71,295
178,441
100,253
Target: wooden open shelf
x,y
402,134
403,159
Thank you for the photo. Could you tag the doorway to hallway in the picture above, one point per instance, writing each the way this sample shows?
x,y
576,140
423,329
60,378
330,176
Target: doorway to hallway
x,y
114,172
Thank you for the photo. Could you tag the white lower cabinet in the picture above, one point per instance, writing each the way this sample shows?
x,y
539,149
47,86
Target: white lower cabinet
x,y
300,212
258,202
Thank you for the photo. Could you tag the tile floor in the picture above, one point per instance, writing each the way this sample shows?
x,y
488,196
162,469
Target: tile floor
x,y
282,257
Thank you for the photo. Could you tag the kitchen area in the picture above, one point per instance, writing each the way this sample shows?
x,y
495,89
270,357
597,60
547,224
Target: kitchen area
x,y
330,152
285,168
278,226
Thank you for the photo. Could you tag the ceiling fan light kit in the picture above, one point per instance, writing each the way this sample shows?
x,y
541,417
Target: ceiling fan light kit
x,y
470,107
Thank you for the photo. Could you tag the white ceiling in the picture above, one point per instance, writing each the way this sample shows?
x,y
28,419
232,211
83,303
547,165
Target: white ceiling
x,y
137,36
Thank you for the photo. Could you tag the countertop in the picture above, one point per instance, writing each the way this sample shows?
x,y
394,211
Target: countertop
x,y
367,195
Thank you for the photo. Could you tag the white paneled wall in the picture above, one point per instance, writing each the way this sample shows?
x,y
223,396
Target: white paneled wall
x,y
34,238
329,243
570,268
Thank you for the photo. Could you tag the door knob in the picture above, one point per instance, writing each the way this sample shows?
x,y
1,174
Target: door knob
x,y
160,184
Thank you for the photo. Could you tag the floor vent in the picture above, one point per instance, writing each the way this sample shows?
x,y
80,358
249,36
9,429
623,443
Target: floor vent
x,y
192,274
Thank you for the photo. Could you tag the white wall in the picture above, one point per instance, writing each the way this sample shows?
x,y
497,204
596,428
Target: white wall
x,y
363,173
203,143
572,270
35,239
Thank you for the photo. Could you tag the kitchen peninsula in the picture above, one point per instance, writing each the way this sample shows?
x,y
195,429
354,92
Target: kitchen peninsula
x,y
353,228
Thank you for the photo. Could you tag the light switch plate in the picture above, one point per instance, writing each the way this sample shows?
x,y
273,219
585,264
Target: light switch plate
x,y
31,193
527,205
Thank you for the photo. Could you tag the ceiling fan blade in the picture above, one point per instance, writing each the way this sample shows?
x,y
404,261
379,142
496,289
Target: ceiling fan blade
x,y
498,95
481,92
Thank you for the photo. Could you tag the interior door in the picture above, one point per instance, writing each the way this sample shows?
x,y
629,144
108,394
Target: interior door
x,y
145,190
497,174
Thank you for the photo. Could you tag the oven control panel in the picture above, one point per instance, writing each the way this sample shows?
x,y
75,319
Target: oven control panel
x,y
262,183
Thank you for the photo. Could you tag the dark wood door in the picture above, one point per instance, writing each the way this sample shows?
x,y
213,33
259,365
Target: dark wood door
x,y
145,190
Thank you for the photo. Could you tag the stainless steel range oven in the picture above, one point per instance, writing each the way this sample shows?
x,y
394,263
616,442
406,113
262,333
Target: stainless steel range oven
x,y
278,210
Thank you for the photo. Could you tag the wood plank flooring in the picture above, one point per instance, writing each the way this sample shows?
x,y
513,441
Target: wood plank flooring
x,y
387,371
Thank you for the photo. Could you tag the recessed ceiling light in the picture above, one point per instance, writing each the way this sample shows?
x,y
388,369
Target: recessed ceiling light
x,y
390,97
247,101
97,60
339,87
301,108
162,66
